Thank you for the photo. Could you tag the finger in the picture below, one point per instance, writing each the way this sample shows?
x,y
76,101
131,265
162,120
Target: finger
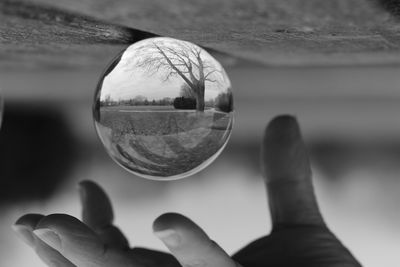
x,y
154,258
74,240
97,211
287,171
98,214
24,228
189,243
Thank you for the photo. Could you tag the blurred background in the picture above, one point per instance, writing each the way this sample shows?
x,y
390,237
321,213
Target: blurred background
x,y
336,69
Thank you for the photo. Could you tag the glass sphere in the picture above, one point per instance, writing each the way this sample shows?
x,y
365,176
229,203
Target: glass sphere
x,y
164,108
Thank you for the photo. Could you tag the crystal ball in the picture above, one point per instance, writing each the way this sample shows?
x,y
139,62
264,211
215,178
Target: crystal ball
x,y
163,109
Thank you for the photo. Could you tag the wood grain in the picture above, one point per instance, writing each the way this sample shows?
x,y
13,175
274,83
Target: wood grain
x,y
81,34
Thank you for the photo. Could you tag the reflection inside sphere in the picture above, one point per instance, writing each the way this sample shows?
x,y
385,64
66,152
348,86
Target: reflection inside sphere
x,y
164,108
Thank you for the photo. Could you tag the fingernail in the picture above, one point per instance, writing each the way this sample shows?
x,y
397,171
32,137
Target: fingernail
x,y
169,237
49,237
24,233
283,129
284,153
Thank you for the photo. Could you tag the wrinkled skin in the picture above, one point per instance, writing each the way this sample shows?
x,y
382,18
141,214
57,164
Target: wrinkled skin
x,y
299,236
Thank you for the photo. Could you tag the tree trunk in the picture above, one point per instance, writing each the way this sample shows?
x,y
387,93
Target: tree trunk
x,y
200,99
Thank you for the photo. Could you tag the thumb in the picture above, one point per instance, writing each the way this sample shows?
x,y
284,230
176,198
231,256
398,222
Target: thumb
x,y
189,243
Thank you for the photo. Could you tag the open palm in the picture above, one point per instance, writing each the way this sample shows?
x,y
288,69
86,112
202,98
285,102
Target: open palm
x,y
299,236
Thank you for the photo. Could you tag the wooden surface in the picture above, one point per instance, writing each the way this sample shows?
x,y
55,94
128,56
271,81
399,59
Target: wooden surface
x,y
81,34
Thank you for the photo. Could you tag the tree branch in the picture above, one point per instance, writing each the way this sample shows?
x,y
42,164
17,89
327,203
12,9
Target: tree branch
x,y
173,66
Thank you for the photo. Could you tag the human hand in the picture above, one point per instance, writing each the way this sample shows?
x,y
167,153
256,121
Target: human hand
x,y
61,240
299,236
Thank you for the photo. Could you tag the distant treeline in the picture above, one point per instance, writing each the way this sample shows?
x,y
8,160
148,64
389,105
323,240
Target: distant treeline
x,y
137,101
223,102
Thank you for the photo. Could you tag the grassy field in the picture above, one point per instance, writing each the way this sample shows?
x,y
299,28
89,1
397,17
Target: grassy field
x,y
164,143
139,108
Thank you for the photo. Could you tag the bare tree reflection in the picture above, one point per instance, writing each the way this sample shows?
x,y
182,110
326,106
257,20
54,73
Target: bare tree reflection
x,y
179,59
